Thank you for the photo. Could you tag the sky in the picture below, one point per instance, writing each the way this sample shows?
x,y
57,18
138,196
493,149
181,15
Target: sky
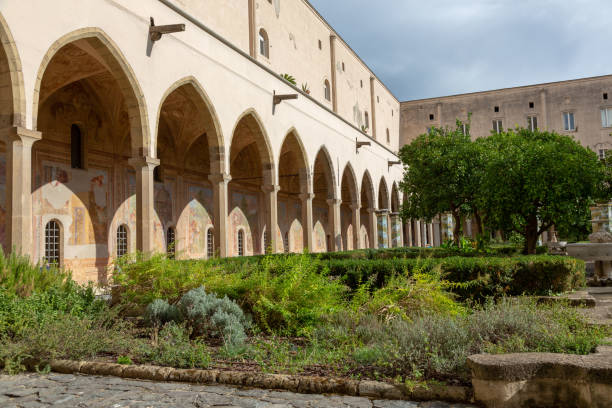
x,y
428,48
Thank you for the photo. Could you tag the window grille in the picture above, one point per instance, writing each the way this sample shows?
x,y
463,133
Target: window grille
x,y
122,241
53,243
210,243
240,243
171,243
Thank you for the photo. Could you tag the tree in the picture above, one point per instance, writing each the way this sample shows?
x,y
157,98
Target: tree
x,y
534,179
441,175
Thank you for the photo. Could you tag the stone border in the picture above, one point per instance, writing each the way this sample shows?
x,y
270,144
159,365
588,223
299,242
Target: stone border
x,y
293,383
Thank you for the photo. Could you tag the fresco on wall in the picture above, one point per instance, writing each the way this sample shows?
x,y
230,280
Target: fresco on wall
x,y
79,200
243,214
289,214
320,217
396,231
3,208
195,222
164,210
383,239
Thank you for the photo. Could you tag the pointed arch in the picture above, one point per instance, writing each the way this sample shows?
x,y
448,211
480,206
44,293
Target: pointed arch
x,y
367,191
324,167
192,90
383,195
250,121
12,100
395,198
349,186
102,48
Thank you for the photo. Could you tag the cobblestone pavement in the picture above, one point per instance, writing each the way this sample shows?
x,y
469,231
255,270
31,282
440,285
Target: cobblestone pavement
x,y
59,390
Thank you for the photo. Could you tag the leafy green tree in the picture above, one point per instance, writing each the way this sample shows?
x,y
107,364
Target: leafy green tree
x,y
535,179
442,171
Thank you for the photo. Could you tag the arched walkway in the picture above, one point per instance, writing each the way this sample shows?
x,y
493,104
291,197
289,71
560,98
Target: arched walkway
x,y
190,148
350,209
368,213
383,222
252,189
89,109
325,206
397,233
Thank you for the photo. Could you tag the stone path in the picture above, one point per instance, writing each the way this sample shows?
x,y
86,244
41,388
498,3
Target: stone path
x,y
78,391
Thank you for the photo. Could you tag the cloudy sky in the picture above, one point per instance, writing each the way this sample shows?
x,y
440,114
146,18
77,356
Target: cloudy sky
x,y
427,48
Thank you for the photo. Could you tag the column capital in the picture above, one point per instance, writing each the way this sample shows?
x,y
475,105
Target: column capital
x,y
26,136
334,201
144,161
270,188
306,196
355,206
220,177
371,210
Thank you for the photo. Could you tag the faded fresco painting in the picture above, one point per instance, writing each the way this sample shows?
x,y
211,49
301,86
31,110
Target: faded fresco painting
x,y
289,214
3,209
126,212
383,239
79,200
164,211
243,214
321,222
194,222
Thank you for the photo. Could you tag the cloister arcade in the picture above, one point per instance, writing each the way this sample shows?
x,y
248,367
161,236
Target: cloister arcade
x,y
92,170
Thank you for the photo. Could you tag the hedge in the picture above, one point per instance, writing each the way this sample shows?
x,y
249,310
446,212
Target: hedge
x,y
480,277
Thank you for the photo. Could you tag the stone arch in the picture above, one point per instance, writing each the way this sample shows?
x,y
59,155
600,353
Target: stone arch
x,y
349,191
12,99
383,195
294,181
367,212
253,181
324,189
395,198
107,54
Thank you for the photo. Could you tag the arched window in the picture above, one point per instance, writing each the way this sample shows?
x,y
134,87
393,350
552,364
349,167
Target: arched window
x,y
76,147
240,243
53,241
327,90
171,242
388,136
367,120
264,244
264,44
122,240
286,242
210,243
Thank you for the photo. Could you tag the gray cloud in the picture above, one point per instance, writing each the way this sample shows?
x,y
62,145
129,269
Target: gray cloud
x,y
423,49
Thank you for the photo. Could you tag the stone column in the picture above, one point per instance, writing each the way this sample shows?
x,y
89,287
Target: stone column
x,y
19,143
437,233
145,202
387,215
356,222
373,219
408,231
307,219
220,183
334,224
271,208
417,233
430,229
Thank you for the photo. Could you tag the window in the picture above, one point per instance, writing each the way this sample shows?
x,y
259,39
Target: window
x,y
361,82
328,242
240,243
265,242
286,242
431,116
377,99
171,242
568,121
122,241
532,123
327,90
53,243
76,147
264,44
367,119
531,105
343,67
498,126
464,129
157,175
496,109
388,137
320,45
606,117
210,243
602,153
605,96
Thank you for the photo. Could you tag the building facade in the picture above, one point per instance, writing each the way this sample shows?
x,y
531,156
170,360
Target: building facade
x,y
581,108
115,140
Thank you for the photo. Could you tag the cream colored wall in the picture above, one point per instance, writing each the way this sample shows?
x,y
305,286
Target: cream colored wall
x,y
228,18
232,83
387,116
583,97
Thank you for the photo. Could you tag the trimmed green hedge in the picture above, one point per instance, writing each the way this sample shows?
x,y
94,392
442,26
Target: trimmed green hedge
x,y
479,277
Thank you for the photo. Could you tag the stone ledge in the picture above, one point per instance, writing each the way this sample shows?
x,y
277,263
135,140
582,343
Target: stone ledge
x,y
294,383
543,379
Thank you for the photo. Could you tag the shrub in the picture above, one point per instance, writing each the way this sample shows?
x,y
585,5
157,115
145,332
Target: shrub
x,y
207,314
18,275
175,349
159,312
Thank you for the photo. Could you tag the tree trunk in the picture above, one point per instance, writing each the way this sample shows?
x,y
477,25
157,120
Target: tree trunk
x,y
531,235
478,220
456,226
